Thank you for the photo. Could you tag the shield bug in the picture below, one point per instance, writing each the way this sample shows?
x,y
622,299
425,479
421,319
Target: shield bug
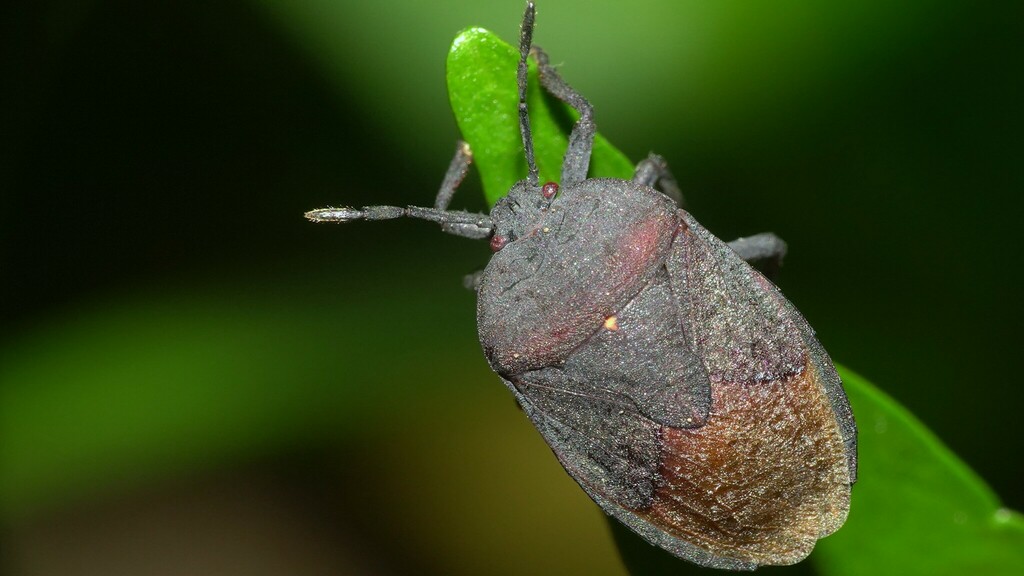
x,y
672,380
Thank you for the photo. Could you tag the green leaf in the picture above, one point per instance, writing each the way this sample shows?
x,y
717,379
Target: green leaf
x,y
917,508
484,97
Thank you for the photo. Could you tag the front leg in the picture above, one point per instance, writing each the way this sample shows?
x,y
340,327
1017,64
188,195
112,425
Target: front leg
x,y
456,173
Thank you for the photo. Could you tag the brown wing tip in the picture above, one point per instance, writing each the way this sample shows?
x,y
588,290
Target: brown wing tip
x,y
763,480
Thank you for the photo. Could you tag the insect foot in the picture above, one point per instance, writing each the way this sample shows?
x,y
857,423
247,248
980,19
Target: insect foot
x,y
671,379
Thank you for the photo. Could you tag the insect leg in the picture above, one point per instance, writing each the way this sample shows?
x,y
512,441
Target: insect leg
x,y
581,139
472,281
457,222
764,251
454,176
654,170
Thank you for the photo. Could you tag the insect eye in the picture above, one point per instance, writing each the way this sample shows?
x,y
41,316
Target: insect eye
x,y
549,190
498,242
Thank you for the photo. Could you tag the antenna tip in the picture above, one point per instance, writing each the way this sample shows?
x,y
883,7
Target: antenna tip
x,y
528,16
342,214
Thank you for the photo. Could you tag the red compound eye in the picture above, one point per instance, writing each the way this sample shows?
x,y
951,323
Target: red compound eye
x,y
549,190
498,242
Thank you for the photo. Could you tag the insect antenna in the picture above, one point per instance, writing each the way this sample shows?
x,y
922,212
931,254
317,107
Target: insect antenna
x,y
457,222
525,40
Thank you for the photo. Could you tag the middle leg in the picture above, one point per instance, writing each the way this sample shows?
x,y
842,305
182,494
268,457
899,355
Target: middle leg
x,y
652,171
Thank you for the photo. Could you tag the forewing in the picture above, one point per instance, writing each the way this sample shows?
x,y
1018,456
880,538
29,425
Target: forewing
x,y
744,329
741,332
770,472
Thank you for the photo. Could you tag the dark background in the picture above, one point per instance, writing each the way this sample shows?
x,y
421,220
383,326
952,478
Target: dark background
x,y
195,380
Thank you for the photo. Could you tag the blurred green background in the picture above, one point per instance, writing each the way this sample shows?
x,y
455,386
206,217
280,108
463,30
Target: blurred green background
x,y
195,380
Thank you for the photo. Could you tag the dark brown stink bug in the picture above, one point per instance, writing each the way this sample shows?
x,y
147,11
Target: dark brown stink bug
x,y
673,382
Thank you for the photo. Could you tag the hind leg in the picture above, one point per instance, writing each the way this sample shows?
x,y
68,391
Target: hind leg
x,y
763,251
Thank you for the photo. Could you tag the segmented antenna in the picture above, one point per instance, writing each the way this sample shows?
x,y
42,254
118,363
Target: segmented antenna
x,y
525,40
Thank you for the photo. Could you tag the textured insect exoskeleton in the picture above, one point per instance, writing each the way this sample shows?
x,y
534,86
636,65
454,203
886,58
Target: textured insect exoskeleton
x,y
672,380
